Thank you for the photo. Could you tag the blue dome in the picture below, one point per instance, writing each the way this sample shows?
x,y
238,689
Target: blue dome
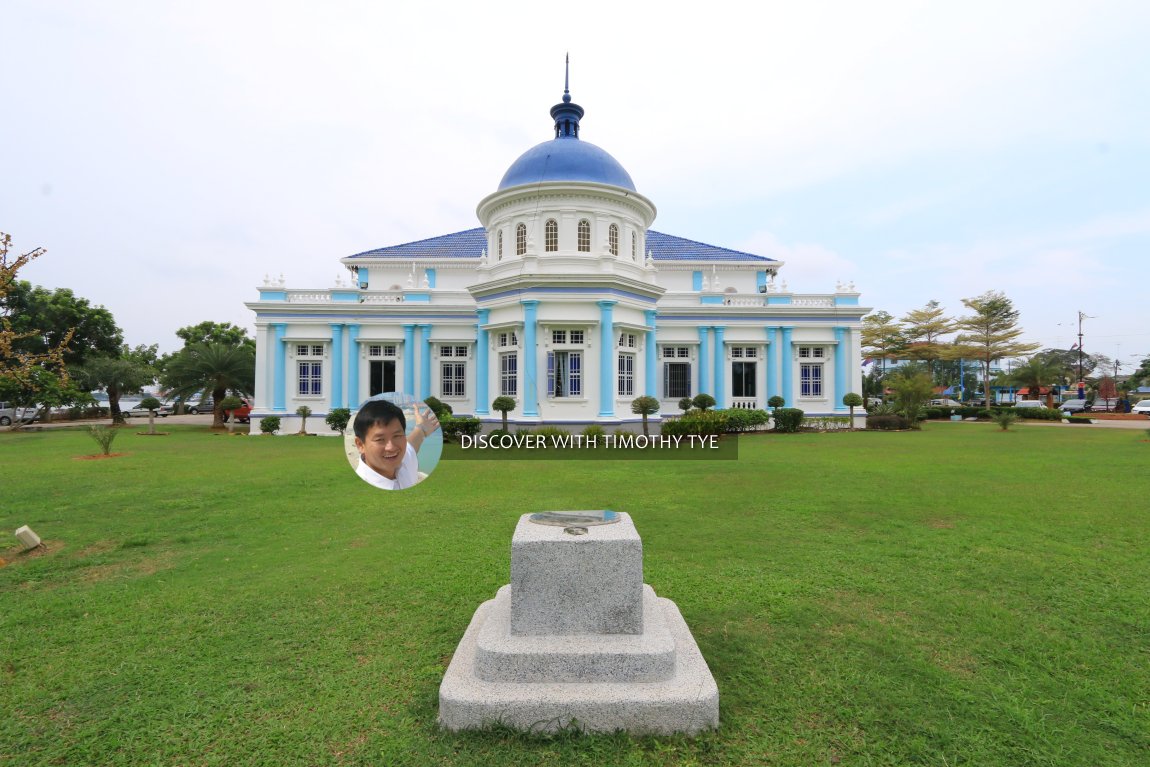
x,y
566,158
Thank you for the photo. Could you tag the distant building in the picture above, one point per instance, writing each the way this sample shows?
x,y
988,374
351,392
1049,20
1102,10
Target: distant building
x,y
564,299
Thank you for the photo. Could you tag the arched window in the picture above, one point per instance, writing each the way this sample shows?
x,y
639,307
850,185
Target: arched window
x,y
521,239
551,236
584,236
613,239
499,245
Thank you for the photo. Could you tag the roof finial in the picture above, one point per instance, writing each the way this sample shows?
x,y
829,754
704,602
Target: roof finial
x,y
567,80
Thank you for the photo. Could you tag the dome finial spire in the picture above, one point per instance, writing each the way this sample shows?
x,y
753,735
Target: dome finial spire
x,y
567,80
567,113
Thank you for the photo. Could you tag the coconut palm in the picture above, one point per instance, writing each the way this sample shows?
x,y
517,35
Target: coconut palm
x,y
216,367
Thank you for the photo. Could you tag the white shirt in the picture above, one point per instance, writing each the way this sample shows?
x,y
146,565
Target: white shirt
x,y
407,476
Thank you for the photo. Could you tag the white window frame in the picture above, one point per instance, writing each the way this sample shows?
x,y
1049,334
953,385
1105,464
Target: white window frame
x,y
584,232
453,379
551,236
626,374
509,374
811,380
565,374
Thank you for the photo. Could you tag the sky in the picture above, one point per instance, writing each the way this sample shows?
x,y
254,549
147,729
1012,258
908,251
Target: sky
x,y
170,155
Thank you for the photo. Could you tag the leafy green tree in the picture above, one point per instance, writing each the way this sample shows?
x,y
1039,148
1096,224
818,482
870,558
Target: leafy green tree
x,y
703,401
337,419
882,337
126,373
685,404
645,406
776,401
208,332
503,404
214,367
32,371
991,332
47,319
913,387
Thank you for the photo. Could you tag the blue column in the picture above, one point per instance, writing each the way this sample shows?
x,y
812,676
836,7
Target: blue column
x,y
430,277
279,367
353,366
482,371
772,356
606,358
651,389
530,360
424,361
336,398
409,359
786,390
720,394
840,367
704,355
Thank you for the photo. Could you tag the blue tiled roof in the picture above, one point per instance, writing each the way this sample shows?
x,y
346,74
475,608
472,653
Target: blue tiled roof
x,y
469,243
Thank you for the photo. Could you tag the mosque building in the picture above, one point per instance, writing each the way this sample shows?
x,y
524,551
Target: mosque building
x,y
564,299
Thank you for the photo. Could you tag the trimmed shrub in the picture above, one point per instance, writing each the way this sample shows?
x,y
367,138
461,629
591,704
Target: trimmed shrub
x,y
270,424
703,401
685,404
440,409
699,422
337,419
746,420
890,422
1038,413
788,420
454,426
776,401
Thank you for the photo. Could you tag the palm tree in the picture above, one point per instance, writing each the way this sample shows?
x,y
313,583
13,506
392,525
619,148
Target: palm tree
x,y
1034,374
214,366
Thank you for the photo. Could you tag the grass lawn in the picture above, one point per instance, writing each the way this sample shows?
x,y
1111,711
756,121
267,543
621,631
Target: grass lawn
x,y
959,595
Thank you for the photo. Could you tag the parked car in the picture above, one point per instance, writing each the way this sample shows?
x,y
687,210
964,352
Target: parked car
x,y
10,413
207,406
243,413
944,403
1029,404
1072,406
137,411
1142,407
1103,405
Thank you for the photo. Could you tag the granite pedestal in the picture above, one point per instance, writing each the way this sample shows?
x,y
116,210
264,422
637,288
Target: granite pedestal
x,y
578,640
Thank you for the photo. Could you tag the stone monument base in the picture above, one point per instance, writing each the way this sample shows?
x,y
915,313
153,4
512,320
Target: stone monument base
x,y
650,681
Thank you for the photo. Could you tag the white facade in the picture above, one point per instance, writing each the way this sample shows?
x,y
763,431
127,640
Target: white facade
x,y
563,299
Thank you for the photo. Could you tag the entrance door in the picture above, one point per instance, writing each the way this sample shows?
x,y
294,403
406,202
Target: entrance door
x,y
382,377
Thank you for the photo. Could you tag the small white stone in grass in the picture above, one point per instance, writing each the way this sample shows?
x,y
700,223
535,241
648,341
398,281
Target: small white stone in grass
x,y
28,537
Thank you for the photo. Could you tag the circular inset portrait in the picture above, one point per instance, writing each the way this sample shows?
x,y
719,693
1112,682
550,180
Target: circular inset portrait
x,y
394,442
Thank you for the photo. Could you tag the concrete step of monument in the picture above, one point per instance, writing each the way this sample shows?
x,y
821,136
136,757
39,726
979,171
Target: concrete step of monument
x,y
501,656
688,702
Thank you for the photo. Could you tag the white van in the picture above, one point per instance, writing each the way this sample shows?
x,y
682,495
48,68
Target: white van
x,y
1029,403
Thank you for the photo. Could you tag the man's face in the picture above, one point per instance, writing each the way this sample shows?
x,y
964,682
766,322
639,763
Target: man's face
x,y
383,447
